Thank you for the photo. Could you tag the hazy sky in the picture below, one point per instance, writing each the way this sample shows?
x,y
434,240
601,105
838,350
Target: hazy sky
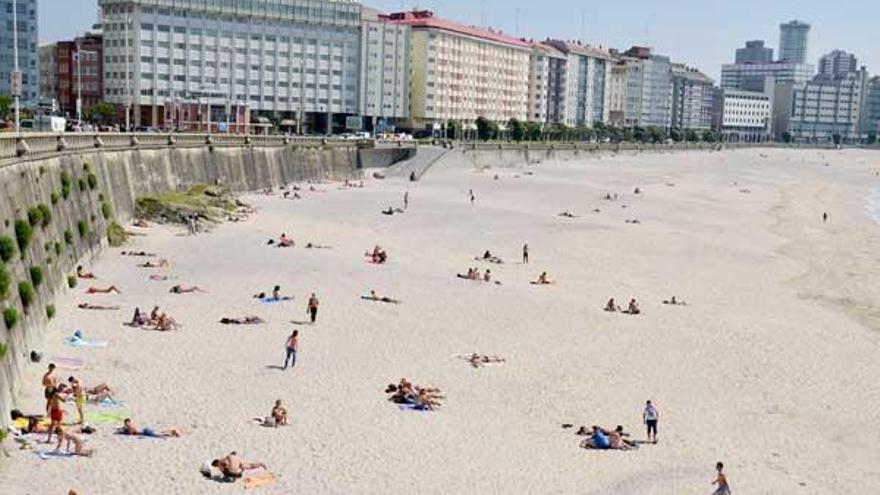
x,y
702,33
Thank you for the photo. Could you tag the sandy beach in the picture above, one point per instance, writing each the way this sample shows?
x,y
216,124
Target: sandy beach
x,y
771,367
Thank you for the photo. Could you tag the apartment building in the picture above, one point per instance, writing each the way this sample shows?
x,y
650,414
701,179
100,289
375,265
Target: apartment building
x,y
192,64
79,72
28,52
871,108
826,107
746,116
385,72
648,89
693,98
461,72
48,73
617,94
546,83
587,78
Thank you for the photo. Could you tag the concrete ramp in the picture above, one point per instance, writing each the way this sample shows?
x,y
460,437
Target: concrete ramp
x,y
425,157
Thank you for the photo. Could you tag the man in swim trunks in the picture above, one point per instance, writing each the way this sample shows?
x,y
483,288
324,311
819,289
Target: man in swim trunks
x,y
232,466
56,412
129,428
312,308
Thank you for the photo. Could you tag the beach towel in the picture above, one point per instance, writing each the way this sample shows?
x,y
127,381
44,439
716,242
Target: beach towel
x,y
272,300
46,454
68,363
104,417
412,407
255,478
75,342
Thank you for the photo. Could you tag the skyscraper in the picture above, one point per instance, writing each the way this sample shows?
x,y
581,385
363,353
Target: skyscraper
x,y
838,63
754,53
793,42
28,52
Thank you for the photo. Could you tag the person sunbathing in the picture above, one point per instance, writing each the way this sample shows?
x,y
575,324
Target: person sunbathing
x,y
166,323
470,274
99,393
375,297
611,306
276,295
108,290
137,253
426,401
179,289
312,245
247,320
633,308
283,241
83,274
96,307
154,315
543,280
160,278
277,417
76,440
675,302
159,264
477,360
232,466
567,214
129,428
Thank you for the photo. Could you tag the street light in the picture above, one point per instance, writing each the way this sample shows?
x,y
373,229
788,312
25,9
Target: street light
x,y
16,74
79,100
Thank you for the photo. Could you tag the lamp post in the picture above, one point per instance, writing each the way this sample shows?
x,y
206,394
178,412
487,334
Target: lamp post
x,y
16,74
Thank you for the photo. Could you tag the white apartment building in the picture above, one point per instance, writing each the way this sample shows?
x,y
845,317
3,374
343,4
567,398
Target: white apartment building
x,y
461,73
617,94
193,63
385,71
648,89
587,78
751,76
746,116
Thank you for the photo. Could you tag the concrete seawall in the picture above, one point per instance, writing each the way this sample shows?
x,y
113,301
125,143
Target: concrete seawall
x,y
85,190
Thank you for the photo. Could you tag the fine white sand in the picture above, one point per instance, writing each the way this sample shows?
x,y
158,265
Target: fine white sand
x,y
772,367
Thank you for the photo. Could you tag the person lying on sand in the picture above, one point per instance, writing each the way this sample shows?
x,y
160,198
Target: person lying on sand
x,y
567,214
634,220
98,393
283,241
137,253
108,290
179,289
406,393
276,295
312,245
375,297
159,264
675,302
478,360
378,255
166,323
160,278
489,258
633,308
604,439
129,428
277,417
76,440
83,274
247,320
232,466
97,307
543,280
611,306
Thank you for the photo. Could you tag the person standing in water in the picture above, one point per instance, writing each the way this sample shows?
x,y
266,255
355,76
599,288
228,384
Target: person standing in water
x,y
721,481
292,346
312,308
650,417
525,254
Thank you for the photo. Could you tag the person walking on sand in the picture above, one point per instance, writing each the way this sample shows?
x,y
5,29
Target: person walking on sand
x,y
824,217
312,308
471,193
406,200
650,416
525,254
721,481
292,346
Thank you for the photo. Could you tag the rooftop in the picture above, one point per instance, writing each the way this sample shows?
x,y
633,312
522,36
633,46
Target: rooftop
x,y
426,19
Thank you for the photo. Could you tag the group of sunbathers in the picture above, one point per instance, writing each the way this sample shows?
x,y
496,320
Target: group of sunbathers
x,y
474,274
378,256
604,438
424,398
632,308
158,321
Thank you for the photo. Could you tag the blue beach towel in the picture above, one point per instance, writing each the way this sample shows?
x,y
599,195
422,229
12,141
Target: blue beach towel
x,y
272,300
51,454
412,407
75,342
